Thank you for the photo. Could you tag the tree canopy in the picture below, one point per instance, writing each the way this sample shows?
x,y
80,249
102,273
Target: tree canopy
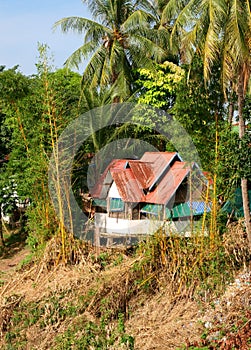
x,y
121,37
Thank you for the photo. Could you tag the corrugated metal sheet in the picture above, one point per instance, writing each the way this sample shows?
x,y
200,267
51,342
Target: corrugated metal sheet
x,y
168,213
118,164
167,187
235,205
160,161
199,207
154,209
128,186
116,204
181,210
189,208
143,172
100,203
101,188
158,157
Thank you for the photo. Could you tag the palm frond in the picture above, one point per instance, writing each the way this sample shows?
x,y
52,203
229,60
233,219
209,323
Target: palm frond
x,y
138,19
116,57
78,56
104,74
236,31
172,10
180,16
97,8
80,25
96,69
237,51
146,49
97,34
122,38
146,5
121,88
210,36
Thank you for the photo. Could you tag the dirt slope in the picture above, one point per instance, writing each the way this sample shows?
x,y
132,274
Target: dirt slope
x,y
51,306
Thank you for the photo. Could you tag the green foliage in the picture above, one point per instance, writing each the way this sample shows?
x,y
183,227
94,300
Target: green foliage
x,y
92,335
117,40
157,87
244,157
234,161
36,110
218,31
188,264
14,88
8,194
13,85
181,92
82,334
247,110
200,109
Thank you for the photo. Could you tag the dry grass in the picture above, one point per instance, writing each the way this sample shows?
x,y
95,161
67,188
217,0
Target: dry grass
x,y
162,323
100,287
156,323
235,242
152,319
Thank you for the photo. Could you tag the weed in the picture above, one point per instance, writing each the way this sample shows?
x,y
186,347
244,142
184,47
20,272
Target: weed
x,y
126,339
194,265
91,335
103,259
1,283
118,260
26,261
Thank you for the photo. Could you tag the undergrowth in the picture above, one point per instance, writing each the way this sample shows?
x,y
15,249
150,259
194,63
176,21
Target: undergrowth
x,y
225,336
195,266
19,318
94,314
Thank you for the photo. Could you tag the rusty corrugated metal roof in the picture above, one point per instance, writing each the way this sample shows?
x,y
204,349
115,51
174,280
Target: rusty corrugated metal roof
x,y
155,157
161,173
143,172
160,161
169,184
128,186
98,191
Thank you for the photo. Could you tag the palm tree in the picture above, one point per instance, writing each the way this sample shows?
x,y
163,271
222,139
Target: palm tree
x,y
219,31
119,39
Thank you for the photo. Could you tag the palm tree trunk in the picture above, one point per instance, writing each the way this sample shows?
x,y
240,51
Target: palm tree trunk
x,y
231,106
244,182
230,113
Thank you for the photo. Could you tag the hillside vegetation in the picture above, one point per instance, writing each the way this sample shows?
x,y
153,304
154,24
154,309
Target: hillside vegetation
x,y
162,294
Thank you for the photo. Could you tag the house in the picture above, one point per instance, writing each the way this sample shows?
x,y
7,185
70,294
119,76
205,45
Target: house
x,y
136,197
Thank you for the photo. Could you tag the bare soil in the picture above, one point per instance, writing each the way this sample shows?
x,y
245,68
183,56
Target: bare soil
x,y
13,253
11,263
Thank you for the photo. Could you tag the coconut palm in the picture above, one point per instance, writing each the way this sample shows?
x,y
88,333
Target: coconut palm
x,y
219,30
120,38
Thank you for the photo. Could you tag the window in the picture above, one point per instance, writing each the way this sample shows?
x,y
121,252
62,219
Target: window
x,y
116,205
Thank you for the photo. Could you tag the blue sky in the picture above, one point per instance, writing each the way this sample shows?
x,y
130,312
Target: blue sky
x,y
24,23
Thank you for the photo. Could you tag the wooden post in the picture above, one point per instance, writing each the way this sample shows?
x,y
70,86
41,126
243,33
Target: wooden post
x,y
97,240
109,242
